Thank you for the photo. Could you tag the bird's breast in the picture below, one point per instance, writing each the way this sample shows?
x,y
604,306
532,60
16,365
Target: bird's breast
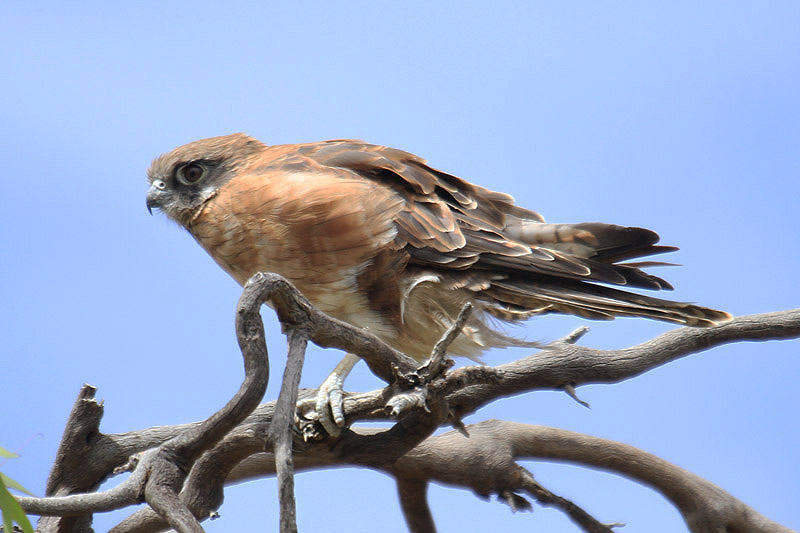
x,y
323,238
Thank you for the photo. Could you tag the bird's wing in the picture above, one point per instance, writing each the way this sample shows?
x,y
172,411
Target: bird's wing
x,y
507,255
448,223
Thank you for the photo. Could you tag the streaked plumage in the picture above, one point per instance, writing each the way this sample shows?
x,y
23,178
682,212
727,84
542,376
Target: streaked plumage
x,y
378,238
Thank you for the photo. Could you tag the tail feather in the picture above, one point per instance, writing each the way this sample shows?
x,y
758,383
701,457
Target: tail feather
x,y
597,302
607,243
582,257
586,251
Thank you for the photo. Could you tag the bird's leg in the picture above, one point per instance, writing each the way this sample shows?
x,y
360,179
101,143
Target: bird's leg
x,y
328,403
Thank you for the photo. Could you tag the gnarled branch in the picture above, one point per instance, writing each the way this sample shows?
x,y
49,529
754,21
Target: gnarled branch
x,y
406,450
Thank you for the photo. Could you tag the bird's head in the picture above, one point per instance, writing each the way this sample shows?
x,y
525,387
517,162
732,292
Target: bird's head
x,y
182,180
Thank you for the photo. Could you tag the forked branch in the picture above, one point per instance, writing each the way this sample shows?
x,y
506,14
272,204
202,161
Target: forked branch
x,y
229,447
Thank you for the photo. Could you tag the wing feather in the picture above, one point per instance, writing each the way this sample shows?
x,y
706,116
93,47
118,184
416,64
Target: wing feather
x,y
449,225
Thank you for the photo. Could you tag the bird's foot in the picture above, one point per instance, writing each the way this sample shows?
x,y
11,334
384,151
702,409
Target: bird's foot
x,y
326,407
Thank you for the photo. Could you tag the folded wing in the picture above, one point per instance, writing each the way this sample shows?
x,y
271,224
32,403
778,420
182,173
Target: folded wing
x,y
516,264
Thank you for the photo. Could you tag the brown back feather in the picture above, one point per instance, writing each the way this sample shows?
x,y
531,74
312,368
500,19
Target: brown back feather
x,y
450,225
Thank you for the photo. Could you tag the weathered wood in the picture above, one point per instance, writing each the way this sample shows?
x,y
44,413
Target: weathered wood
x,y
236,443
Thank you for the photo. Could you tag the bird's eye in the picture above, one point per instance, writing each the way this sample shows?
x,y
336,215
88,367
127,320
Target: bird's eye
x,y
191,173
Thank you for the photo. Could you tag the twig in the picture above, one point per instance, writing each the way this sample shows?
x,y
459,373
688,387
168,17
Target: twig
x,y
569,388
435,363
433,369
574,512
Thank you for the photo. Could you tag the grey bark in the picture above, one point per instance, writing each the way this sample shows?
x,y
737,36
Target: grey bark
x,y
181,470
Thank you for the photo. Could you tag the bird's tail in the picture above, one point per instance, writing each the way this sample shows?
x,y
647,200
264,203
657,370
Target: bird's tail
x,y
516,299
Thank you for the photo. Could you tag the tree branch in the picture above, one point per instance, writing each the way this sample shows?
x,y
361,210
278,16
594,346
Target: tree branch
x,y
396,450
282,427
160,473
295,310
486,463
562,363
69,474
413,494
575,513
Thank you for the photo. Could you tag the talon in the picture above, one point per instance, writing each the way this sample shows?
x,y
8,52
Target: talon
x,y
327,406
336,399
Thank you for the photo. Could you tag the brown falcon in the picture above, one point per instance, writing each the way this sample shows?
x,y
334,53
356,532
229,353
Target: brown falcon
x,y
378,238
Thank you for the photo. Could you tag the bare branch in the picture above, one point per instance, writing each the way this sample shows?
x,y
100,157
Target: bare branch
x,y
164,500
569,388
705,506
160,473
563,363
294,309
488,384
413,494
494,447
405,450
70,473
436,362
575,513
282,428
575,335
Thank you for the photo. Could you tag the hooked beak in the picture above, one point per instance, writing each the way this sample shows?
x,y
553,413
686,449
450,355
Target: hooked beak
x,y
155,194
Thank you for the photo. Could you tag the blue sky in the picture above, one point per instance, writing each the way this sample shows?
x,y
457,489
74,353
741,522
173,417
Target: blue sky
x,y
683,119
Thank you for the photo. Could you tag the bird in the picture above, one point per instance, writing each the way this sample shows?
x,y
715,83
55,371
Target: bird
x,y
378,238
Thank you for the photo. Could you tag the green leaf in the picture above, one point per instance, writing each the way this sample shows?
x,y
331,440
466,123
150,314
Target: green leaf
x,y
6,453
12,512
7,523
8,482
